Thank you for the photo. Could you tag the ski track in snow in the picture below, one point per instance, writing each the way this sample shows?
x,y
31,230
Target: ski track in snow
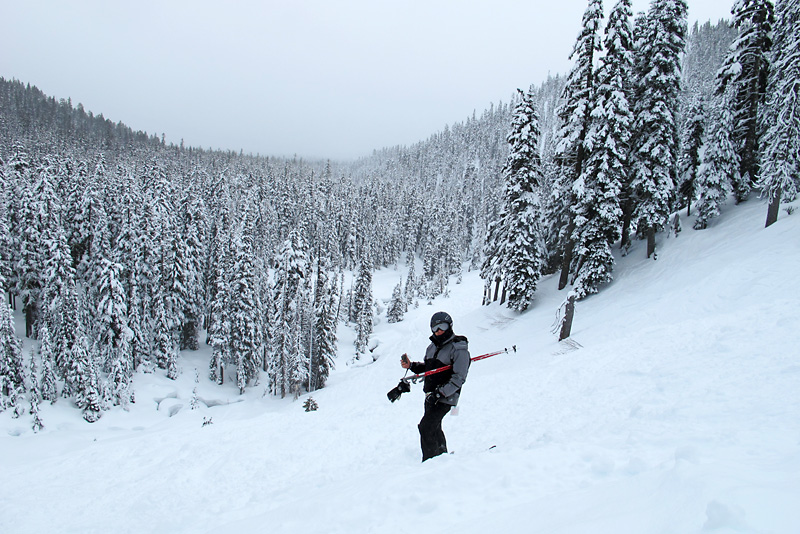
x,y
674,408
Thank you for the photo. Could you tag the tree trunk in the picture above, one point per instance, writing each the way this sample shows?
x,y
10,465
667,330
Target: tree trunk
x,y
566,322
774,207
29,320
627,215
651,241
566,260
496,288
503,296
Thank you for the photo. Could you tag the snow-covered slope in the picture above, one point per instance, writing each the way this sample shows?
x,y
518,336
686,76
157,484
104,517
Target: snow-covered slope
x,y
676,409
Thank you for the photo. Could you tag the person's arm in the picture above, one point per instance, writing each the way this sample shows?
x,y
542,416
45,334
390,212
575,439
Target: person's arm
x,y
460,369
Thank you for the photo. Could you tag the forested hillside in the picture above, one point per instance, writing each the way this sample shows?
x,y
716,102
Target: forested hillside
x,y
122,250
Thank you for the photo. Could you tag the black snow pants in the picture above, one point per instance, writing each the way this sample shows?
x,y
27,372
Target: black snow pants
x,y
430,430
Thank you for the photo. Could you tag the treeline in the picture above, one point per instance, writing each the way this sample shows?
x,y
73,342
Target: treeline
x,y
121,250
643,132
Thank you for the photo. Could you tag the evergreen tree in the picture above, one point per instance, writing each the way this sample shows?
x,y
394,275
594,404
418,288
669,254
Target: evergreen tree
x,y
245,315
132,255
719,168
49,384
522,254
410,289
29,265
36,397
6,242
575,114
655,149
396,308
362,304
81,377
781,143
744,73
188,273
115,335
220,326
492,268
287,293
690,156
324,332
597,213
57,275
12,382
165,347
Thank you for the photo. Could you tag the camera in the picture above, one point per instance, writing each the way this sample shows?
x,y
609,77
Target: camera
x,y
402,387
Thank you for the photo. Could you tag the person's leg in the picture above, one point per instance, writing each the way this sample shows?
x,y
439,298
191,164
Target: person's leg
x,y
431,435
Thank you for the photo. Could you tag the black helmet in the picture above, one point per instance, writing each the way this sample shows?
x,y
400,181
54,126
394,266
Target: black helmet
x,y
441,318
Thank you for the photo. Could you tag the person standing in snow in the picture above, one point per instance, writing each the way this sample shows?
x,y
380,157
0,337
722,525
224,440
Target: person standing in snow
x,y
443,389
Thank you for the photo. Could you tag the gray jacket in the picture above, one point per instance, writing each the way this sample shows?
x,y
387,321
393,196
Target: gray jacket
x,y
455,352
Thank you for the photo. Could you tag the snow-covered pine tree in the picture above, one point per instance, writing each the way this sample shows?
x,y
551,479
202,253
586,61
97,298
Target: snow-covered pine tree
x,y
35,392
325,322
575,113
131,253
689,161
30,258
164,345
396,309
57,275
115,336
12,380
523,252
98,249
195,402
655,151
780,159
744,73
290,274
81,377
492,268
219,324
191,254
597,214
49,383
6,243
410,288
362,303
88,392
719,168
245,314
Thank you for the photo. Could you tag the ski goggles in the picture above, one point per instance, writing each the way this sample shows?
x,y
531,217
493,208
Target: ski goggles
x,y
441,326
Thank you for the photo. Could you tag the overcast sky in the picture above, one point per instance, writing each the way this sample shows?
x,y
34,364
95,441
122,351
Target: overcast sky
x,y
317,78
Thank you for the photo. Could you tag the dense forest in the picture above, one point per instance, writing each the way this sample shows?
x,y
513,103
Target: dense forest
x,y
122,250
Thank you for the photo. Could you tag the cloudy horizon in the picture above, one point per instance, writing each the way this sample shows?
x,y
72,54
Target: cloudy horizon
x,y
314,79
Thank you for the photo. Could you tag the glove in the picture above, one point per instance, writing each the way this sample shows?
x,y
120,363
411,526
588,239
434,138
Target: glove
x,y
434,396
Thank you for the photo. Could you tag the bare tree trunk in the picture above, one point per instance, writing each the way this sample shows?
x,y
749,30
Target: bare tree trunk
x,y
774,207
29,320
566,322
651,241
565,262
496,288
627,215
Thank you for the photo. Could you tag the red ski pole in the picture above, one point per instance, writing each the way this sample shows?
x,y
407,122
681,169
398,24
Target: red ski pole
x,y
403,386
414,378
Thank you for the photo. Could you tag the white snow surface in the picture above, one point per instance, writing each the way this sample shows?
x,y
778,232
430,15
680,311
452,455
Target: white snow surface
x,y
675,408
